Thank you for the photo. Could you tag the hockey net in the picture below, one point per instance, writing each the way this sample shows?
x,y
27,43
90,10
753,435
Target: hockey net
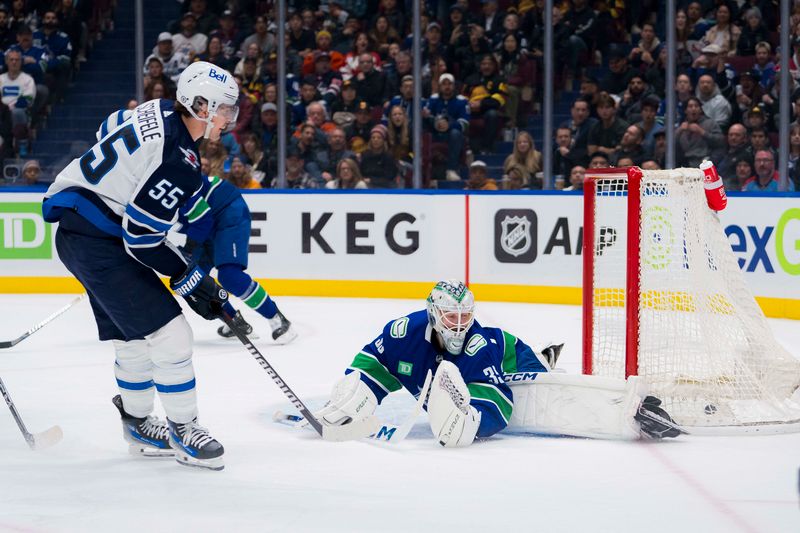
x,y
664,299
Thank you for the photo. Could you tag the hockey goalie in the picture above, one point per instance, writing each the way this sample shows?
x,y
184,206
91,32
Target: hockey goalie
x,y
486,379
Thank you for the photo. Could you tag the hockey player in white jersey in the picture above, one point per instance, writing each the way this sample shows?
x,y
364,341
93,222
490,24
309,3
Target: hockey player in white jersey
x,y
114,206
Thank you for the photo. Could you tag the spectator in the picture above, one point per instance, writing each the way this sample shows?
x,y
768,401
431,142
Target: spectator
x,y
619,76
251,150
335,59
599,160
561,45
399,135
7,35
296,175
72,21
744,171
318,117
737,149
517,70
22,15
516,178
155,74
712,62
646,51
715,106
216,154
479,179
759,140
337,150
764,65
253,55
648,124
660,148
683,46
630,108
370,83
630,146
447,117
343,110
576,177
580,125
383,34
329,82
624,162
360,128
590,91
377,164
18,93
240,175
308,94
59,65
267,130
405,99
215,54
132,104
562,153
698,26
252,83
229,34
262,37
794,155
698,137
766,178
206,21
753,32
155,91
402,70
34,63
300,39
606,135
189,41
650,164
491,20
352,60
173,63
431,72
581,21
724,34
311,149
32,173
456,29
511,27
348,176
748,93
467,56
525,155
487,100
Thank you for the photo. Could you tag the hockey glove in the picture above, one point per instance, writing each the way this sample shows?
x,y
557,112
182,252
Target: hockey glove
x,y
654,421
201,292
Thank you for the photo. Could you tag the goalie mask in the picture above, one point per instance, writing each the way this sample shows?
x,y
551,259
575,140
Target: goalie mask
x,y
451,312
206,84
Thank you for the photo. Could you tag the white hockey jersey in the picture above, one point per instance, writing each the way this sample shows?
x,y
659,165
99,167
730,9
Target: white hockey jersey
x,y
133,182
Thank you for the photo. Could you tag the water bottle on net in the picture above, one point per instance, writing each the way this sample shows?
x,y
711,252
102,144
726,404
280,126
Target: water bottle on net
x,y
715,190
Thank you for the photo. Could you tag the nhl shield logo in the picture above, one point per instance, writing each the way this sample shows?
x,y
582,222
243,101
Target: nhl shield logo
x,y
515,235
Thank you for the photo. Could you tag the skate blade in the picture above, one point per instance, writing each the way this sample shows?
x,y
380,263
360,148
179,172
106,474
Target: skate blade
x,y
252,336
287,337
215,464
140,450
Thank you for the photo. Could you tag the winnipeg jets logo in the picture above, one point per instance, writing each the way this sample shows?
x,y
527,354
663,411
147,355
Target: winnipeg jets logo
x,y
514,236
190,158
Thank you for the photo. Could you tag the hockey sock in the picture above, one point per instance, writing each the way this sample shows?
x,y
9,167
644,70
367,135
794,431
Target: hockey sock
x,y
229,309
239,283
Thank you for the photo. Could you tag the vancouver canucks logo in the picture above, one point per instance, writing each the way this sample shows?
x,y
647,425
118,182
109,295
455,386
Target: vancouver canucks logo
x,y
189,157
515,235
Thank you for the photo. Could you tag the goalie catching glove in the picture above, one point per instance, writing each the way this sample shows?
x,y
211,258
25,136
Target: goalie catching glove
x,y
654,421
351,400
453,420
201,292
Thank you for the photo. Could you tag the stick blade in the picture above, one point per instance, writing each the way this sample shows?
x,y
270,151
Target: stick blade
x,y
46,438
353,430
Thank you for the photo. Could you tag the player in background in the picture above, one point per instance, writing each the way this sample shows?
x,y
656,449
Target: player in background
x,y
470,397
217,232
114,206
218,235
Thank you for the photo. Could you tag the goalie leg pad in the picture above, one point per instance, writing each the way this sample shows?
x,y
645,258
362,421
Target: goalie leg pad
x,y
453,420
578,406
351,400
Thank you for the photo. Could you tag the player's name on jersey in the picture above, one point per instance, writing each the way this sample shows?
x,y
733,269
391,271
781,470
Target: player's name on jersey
x,y
147,118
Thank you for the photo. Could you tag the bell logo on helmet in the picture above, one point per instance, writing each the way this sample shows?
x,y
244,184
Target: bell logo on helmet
x,y
219,76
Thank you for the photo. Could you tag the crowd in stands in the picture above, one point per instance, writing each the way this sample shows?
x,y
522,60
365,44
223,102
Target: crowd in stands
x,y
44,43
349,88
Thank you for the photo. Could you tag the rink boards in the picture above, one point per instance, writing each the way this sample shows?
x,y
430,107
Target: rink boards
x,y
522,247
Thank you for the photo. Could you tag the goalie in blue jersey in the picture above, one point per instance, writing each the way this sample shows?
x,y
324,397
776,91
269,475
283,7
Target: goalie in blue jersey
x,y
486,379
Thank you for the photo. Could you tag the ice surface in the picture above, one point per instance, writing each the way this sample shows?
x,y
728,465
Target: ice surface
x,y
277,478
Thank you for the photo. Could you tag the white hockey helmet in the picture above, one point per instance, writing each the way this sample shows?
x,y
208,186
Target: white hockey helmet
x,y
451,312
204,83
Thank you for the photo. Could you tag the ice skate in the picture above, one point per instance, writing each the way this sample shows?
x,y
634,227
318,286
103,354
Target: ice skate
x,y
282,330
194,446
148,437
241,325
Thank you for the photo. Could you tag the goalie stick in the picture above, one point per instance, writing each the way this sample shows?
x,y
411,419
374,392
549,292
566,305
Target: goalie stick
x,y
40,325
36,441
331,433
387,432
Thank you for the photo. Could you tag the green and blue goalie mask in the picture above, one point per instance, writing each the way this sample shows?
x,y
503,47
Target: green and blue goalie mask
x,y
451,312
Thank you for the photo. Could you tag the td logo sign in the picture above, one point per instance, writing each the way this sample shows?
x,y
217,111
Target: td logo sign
x,y
24,233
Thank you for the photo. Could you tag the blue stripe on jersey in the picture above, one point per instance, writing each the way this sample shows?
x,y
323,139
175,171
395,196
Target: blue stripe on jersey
x,y
180,387
104,129
128,385
144,218
120,116
70,199
142,240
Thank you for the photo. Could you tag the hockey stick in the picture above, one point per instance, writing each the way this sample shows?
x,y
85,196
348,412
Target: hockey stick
x,y
36,441
332,433
40,325
387,432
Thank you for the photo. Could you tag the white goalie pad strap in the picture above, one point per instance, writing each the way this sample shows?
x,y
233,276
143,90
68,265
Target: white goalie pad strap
x,y
453,420
576,405
351,400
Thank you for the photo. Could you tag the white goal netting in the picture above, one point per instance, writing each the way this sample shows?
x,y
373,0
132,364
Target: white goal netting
x,y
700,339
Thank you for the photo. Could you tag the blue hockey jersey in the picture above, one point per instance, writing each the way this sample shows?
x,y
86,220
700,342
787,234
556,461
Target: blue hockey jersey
x,y
132,184
402,354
